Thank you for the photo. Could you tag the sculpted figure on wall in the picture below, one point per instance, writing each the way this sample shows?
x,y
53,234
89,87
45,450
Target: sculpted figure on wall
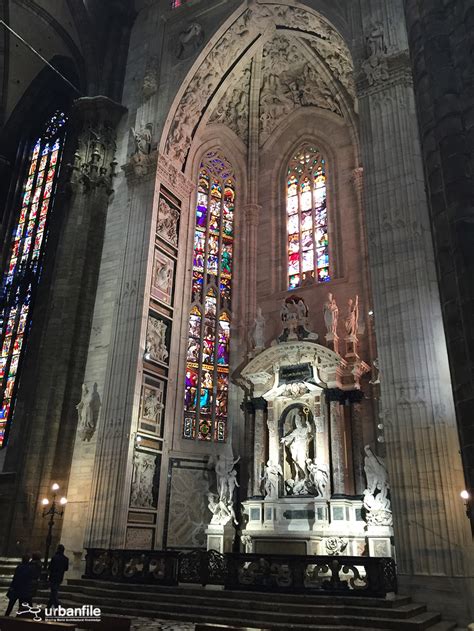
x,y
318,477
294,317
331,314
189,40
375,65
270,479
376,501
88,410
352,318
143,493
221,504
167,225
156,340
259,330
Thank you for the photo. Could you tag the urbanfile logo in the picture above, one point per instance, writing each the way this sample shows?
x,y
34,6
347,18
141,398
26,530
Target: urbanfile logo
x,y
86,613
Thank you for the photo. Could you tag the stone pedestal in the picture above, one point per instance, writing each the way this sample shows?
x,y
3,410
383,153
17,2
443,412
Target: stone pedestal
x,y
220,538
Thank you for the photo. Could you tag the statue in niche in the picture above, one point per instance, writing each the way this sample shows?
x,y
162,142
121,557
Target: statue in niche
x,y
352,318
144,482
143,139
318,476
375,65
270,479
259,330
375,372
297,442
88,412
376,500
152,404
331,315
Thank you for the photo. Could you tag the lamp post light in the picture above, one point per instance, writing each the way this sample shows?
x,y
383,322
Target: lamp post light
x,y
466,496
52,512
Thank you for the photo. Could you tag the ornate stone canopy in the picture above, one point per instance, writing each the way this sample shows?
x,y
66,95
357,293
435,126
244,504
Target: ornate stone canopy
x,y
325,368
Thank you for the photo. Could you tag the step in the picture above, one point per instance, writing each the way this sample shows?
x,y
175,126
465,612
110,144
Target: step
x,y
190,590
207,600
275,619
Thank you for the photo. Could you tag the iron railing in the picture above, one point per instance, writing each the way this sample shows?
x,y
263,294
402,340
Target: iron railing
x,y
365,576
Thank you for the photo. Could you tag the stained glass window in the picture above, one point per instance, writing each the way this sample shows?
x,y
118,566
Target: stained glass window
x,y
24,262
307,221
177,3
207,361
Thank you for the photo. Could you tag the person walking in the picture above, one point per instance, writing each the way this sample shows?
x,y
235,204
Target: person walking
x,y
21,587
58,566
36,567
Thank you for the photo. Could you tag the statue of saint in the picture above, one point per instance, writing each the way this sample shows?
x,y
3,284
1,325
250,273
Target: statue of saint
x,y
375,472
318,474
331,314
352,318
259,330
297,441
88,410
270,479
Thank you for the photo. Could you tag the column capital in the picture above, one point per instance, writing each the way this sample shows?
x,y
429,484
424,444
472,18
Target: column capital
x,y
259,403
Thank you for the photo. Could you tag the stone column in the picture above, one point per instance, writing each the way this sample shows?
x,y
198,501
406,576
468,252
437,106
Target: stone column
x,y
260,406
358,447
336,447
249,444
432,534
112,472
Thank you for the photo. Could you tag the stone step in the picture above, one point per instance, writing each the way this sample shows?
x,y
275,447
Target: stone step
x,y
269,618
207,599
272,597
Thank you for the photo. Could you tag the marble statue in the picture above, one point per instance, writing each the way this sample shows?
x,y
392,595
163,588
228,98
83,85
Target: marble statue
x,y
375,372
294,317
318,476
222,512
270,479
189,40
259,330
352,318
88,412
297,441
331,314
156,340
143,491
376,500
143,139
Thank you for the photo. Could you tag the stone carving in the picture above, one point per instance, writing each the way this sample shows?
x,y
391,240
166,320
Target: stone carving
x,y
259,331
88,410
376,501
248,26
295,390
352,318
297,442
162,277
167,224
375,65
155,347
152,409
221,504
318,477
189,40
270,479
144,481
331,315
296,84
233,107
294,316
142,139
246,541
375,372
336,545
150,78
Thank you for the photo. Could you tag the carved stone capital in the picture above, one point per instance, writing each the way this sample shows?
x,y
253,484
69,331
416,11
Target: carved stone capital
x,y
172,177
94,122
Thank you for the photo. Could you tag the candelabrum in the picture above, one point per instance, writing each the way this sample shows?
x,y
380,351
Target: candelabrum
x,y
52,509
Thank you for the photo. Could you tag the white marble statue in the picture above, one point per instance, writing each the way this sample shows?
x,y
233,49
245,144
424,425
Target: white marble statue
x,y
297,441
352,318
259,330
375,472
222,512
226,477
270,479
318,474
88,410
376,500
331,314
375,372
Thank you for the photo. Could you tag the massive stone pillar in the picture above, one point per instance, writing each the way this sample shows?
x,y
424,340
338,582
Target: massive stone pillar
x,y
336,448
260,406
432,533
441,38
42,439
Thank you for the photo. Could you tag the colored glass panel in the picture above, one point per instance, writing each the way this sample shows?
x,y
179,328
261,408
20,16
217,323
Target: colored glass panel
x,y
23,265
207,367
307,227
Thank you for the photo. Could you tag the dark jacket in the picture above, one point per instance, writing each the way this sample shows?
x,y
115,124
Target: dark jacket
x,y
35,567
22,582
59,564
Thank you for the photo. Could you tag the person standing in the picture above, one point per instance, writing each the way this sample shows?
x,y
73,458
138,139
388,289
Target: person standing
x,y
21,587
58,566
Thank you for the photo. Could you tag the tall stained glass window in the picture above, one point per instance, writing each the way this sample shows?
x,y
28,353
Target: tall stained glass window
x,y
24,261
207,365
177,3
307,220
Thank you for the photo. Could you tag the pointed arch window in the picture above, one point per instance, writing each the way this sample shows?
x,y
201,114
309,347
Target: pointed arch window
x,y
207,365
307,219
24,260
